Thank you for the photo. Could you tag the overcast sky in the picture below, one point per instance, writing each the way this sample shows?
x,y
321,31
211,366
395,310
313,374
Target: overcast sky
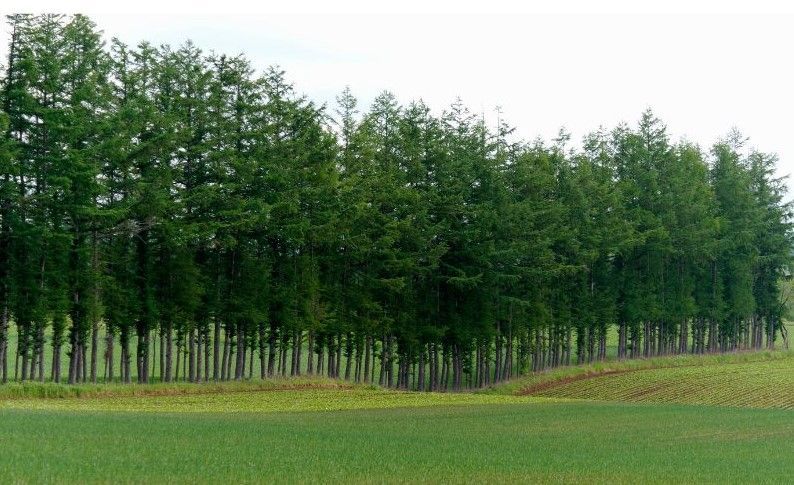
x,y
577,67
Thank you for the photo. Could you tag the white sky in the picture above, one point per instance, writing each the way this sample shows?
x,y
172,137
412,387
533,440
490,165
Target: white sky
x,y
702,67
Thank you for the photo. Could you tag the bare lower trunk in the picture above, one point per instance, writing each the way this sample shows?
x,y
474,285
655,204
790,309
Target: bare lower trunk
x,y
169,353
73,357
233,345
239,369
94,348
297,339
310,346
207,353
178,360
124,357
359,357
320,357
4,344
191,338
199,343
216,350
251,364
337,361
348,355
56,363
421,377
150,372
367,357
271,352
225,358
262,347
41,354
109,356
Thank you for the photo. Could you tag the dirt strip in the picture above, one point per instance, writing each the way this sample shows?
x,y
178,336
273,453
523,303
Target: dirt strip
x,y
543,386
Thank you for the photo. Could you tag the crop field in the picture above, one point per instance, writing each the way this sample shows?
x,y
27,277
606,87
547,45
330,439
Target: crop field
x,y
444,442
767,384
270,401
320,430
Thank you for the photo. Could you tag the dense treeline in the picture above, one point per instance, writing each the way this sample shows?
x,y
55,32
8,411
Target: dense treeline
x,y
168,209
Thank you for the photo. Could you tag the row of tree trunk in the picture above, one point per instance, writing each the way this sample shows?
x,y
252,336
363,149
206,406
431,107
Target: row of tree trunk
x,y
698,336
222,354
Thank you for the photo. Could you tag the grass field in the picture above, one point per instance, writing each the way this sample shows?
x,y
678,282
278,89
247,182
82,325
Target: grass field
x,y
316,430
751,384
559,442
750,379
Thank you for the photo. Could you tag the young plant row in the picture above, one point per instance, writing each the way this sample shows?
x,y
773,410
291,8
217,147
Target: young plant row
x,y
751,384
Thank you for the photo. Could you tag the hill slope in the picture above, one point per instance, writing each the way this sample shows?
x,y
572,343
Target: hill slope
x,y
758,380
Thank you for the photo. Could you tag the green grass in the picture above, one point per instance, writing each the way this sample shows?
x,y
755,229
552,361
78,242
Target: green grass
x,y
267,401
518,442
321,430
31,389
547,378
765,384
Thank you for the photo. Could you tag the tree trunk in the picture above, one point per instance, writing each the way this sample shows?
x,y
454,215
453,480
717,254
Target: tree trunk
x,y
199,345
320,356
191,345
338,363
4,343
310,347
56,363
420,385
41,354
216,349
109,343
207,352
94,347
239,368
271,353
226,349
359,357
367,356
348,355
262,349
251,363
178,360
169,353
296,343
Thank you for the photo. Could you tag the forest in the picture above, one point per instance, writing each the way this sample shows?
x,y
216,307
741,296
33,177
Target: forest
x,y
173,214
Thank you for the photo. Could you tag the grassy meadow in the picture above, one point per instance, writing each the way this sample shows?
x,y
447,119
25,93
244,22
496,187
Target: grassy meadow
x,y
473,443
565,426
766,384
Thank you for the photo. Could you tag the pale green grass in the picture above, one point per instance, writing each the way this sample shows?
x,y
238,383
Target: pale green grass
x,y
560,374
272,401
575,442
309,430
763,384
29,389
